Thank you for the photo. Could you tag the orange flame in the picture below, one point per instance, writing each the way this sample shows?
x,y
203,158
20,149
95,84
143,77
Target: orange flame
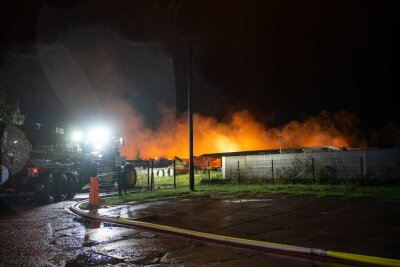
x,y
242,132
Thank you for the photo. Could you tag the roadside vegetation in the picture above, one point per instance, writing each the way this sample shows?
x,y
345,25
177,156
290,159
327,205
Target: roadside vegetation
x,y
10,113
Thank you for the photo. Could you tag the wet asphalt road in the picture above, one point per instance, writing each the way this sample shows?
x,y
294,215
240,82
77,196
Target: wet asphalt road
x,y
361,226
34,235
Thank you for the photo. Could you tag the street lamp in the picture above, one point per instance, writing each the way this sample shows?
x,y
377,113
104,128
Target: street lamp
x,y
190,119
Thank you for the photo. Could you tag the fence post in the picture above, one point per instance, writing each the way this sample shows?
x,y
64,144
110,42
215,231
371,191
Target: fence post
x,y
313,170
238,171
124,179
97,191
91,190
272,168
119,181
362,170
208,170
94,191
174,172
152,175
148,174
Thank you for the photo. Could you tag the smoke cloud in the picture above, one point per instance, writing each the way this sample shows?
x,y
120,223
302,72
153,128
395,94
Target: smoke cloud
x,y
240,132
100,76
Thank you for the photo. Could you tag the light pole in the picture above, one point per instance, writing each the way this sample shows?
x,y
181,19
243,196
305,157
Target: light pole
x,y
190,119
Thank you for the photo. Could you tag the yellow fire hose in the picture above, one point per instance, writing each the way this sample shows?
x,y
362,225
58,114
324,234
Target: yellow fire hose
x,y
362,258
260,245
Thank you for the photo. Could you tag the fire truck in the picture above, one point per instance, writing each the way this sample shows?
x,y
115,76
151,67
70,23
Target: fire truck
x,y
48,165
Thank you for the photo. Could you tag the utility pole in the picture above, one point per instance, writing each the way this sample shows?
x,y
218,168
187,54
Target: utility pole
x,y
190,119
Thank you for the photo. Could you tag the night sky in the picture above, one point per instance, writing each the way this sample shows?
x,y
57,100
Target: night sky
x,y
281,60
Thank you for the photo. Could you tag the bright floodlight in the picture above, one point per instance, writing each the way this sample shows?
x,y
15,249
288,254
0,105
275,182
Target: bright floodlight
x,y
77,136
98,146
99,135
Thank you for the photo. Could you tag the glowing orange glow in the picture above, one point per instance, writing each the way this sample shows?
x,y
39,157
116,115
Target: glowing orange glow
x,y
242,132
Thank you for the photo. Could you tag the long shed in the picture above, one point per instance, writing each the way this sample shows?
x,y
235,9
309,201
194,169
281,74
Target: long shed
x,y
314,164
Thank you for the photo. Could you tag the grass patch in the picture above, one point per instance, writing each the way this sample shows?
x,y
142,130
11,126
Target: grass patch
x,y
181,179
141,196
232,190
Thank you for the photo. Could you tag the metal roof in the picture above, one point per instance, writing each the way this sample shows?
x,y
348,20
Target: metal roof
x,y
274,151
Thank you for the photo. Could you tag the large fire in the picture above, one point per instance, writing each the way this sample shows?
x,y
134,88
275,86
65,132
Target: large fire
x,y
242,132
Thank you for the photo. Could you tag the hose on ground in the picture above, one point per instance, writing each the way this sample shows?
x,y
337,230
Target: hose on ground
x,y
255,244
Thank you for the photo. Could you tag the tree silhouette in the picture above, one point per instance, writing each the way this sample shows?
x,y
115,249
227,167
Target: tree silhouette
x,y
9,113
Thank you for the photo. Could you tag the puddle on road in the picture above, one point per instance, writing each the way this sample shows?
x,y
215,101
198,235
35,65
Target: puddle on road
x,y
90,259
96,232
92,224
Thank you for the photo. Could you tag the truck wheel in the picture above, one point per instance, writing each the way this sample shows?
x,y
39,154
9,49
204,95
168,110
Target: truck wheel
x,y
72,185
48,194
131,176
61,187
